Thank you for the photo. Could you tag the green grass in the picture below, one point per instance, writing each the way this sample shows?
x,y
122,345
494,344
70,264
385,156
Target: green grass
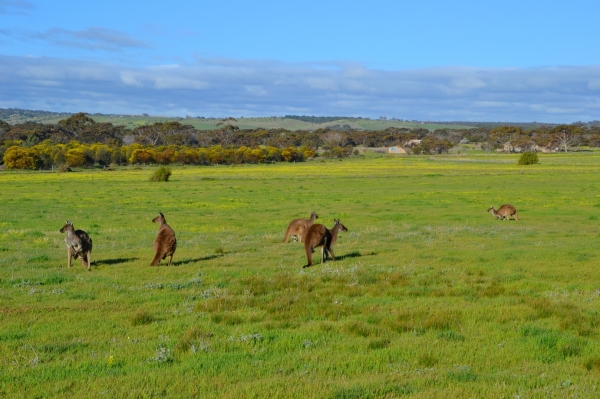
x,y
431,297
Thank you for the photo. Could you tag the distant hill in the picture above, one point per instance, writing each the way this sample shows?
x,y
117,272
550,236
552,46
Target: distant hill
x,y
288,122
26,115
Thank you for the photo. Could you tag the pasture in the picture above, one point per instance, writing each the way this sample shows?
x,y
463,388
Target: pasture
x,y
431,297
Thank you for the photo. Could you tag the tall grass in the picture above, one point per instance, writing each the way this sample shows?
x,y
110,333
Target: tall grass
x,y
430,297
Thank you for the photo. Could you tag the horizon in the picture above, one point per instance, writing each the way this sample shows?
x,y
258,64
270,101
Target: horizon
x,y
290,116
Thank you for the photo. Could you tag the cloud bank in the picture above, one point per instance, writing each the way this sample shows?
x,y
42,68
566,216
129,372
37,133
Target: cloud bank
x,y
223,87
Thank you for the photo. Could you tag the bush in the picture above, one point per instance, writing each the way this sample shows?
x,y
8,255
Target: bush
x,y
20,158
161,174
529,158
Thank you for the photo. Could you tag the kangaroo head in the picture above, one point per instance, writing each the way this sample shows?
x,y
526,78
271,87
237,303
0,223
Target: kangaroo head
x,y
159,219
68,226
491,210
339,225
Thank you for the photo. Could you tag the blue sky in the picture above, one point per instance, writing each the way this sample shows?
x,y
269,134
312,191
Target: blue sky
x,y
427,60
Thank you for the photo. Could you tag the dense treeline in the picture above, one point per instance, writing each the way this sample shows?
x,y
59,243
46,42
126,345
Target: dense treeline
x,y
47,155
79,141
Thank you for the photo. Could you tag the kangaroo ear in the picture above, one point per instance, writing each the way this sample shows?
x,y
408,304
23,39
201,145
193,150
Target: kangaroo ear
x,y
161,214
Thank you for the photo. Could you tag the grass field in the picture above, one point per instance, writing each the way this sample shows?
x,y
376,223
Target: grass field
x,y
430,297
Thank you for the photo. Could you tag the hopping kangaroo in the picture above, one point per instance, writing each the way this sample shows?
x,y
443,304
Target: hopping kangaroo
x,y
506,211
165,243
79,244
297,227
318,235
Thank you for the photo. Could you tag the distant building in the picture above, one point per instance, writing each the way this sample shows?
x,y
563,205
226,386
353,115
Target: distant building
x,y
396,150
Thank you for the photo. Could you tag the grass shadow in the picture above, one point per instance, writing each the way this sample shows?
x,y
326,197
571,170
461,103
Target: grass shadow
x,y
115,261
354,254
187,261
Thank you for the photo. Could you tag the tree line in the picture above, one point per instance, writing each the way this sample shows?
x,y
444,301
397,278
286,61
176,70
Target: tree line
x,y
79,141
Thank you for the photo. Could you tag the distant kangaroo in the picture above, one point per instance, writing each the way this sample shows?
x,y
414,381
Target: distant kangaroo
x,y
79,244
297,227
319,236
165,243
506,211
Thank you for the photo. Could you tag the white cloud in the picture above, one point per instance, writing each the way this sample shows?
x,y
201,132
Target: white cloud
x,y
175,83
256,90
220,87
130,79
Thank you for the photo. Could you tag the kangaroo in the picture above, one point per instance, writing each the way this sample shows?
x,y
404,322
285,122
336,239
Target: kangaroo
x,y
318,235
506,211
165,243
297,227
79,244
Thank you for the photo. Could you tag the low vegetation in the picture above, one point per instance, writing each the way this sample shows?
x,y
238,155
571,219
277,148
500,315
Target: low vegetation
x,y
429,296
528,158
162,173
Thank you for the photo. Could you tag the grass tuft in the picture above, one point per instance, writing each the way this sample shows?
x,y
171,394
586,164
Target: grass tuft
x,y
428,360
141,318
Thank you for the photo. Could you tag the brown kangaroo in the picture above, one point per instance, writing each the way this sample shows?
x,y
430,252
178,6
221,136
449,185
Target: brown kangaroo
x,y
297,227
79,244
506,211
318,235
165,243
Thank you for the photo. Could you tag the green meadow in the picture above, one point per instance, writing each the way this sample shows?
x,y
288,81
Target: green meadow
x,y
430,296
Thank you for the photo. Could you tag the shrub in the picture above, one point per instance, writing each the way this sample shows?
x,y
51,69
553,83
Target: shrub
x,y
529,158
75,158
20,158
161,174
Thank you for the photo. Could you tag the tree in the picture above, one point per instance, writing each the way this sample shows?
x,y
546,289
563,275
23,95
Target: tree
x,y
504,136
103,156
148,134
566,135
75,124
595,140
226,131
4,127
332,139
434,145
